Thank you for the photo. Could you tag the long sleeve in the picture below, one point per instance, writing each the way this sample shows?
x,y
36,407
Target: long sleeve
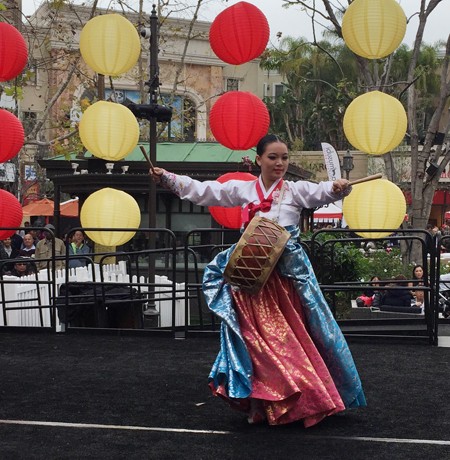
x,y
294,197
207,193
311,195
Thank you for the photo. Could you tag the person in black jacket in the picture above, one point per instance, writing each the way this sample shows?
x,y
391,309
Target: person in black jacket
x,y
370,297
398,297
7,251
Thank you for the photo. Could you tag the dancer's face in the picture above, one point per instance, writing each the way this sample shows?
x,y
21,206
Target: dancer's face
x,y
273,162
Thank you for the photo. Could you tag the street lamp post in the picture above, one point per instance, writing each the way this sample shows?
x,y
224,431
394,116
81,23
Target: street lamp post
x,y
347,163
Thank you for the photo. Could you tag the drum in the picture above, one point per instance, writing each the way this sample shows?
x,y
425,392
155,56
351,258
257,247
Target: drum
x,y
256,254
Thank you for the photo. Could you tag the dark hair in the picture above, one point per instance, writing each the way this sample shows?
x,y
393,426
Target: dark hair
x,y
399,279
414,271
266,140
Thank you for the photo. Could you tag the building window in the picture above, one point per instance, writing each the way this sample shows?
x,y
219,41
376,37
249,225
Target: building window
x,y
278,90
232,84
184,114
29,120
30,72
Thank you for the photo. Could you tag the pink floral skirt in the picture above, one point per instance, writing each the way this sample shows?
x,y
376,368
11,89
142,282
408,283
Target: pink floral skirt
x,y
290,379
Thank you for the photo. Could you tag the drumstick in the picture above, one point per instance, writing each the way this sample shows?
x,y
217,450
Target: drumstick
x,y
146,157
366,179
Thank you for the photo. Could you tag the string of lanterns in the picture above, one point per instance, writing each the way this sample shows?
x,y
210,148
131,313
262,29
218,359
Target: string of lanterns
x,y
13,59
374,122
238,119
110,45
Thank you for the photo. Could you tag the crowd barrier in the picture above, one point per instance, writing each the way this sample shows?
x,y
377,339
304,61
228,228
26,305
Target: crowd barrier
x,y
29,301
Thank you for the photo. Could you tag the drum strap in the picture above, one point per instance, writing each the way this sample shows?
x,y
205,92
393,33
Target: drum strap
x,y
249,211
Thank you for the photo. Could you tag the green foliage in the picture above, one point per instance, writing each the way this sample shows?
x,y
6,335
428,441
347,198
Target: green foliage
x,y
320,82
445,268
340,260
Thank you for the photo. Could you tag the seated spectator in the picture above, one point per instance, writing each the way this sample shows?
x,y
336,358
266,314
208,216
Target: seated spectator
x,y
370,297
28,248
417,276
23,267
34,235
76,246
7,251
397,297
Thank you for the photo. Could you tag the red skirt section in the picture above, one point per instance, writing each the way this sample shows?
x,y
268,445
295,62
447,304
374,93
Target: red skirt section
x,y
290,379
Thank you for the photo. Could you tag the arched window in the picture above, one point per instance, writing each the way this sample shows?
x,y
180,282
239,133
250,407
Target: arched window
x,y
183,124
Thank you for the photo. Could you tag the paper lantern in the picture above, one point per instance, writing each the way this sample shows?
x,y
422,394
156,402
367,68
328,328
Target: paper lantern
x,y
110,208
13,52
11,213
238,120
373,28
110,44
375,122
11,135
239,34
378,204
230,217
109,130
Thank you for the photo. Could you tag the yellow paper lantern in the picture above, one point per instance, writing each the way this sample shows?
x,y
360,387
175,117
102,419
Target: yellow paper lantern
x,y
378,204
110,44
375,122
373,28
109,130
110,208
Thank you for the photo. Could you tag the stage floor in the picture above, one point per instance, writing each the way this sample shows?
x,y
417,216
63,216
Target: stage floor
x,y
98,396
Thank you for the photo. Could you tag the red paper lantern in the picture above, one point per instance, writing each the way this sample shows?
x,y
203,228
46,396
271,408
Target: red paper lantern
x,y
238,120
230,217
11,135
239,34
13,52
11,213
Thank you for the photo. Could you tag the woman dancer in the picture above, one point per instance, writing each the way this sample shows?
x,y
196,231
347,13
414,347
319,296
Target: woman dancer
x,y
282,355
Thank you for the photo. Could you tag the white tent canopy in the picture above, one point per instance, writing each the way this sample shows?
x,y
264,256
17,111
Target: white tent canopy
x,y
328,213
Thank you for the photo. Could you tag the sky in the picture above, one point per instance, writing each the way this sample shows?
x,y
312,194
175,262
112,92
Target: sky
x,y
294,21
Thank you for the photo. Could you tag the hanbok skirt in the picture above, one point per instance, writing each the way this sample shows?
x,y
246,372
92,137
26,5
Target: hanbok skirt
x,y
283,358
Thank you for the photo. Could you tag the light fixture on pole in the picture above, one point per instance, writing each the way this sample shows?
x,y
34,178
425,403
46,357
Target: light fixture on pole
x,y
347,163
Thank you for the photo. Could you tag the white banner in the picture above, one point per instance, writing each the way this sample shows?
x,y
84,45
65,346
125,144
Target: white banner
x,y
333,166
331,161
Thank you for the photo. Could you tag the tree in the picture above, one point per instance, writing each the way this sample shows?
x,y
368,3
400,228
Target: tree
x,y
319,82
47,116
425,134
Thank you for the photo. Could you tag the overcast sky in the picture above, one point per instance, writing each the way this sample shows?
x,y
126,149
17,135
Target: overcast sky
x,y
295,22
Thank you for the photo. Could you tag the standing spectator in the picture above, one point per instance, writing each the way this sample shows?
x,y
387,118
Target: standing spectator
x,y
16,241
77,245
43,254
28,247
7,251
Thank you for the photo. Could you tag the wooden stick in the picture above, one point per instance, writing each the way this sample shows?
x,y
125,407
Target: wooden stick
x,y
146,156
366,179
